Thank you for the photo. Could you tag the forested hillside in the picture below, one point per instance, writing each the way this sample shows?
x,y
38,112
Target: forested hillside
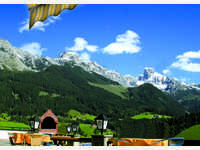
x,y
190,99
160,127
155,100
61,88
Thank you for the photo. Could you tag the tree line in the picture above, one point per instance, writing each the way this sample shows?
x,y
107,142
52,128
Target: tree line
x,y
155,128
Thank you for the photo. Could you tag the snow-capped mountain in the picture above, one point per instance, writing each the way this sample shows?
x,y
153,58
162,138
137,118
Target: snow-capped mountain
x,y
161,81
74,58
149,76
15,59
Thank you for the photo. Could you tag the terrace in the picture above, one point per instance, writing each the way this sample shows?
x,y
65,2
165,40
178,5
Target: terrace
x,y
44,131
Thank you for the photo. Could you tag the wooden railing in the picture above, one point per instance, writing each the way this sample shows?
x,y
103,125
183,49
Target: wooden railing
x,y
60,140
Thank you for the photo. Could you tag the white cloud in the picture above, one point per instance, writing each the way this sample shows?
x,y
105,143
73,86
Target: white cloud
x,y
33,48
38,25
81,44
183,80
85,57
185,63
166,71
124,43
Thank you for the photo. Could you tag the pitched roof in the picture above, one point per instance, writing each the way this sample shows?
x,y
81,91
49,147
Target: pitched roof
x,y
49,113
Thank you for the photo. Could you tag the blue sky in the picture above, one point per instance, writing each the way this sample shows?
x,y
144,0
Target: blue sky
x,y
124,38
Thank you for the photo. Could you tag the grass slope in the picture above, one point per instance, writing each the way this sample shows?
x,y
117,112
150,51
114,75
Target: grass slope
x,y
115,89
13,125
73,114
191,133
148,115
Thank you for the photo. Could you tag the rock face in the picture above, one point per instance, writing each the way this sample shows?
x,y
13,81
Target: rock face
x,y
74,59
160,81
15,59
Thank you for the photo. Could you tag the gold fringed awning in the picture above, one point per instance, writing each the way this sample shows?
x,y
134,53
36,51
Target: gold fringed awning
x,y
40,12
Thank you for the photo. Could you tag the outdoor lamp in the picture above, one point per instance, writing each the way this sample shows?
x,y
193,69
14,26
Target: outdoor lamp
x,y
102,122
34,123
68,127
75,127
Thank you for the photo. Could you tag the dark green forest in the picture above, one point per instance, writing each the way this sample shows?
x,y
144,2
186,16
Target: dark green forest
x,y
155,128
61,88
190,99
150,99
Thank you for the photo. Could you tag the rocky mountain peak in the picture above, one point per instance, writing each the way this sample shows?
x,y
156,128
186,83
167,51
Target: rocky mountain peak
x,y
148,72
70,56
15,59
5,45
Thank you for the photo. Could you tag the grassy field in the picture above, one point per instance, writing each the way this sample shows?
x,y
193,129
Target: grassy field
x,y
13,125
115,89
73,114
43,93
86,130
191,133
148,115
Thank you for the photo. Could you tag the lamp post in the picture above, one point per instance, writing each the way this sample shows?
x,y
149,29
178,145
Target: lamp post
x,y
68,127
75,127
99,140
102,122
34,123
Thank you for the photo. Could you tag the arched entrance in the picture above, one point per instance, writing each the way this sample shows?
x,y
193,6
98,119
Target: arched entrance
x,y
48,123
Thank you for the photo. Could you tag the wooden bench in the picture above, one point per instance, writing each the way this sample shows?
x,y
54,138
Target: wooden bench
x,y
16,138
29,139
37,139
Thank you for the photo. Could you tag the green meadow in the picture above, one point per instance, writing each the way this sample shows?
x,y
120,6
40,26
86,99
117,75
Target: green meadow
x,y
13,125
191,133
148,115
115,89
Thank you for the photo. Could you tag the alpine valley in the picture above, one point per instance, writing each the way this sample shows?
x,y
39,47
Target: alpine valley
x,y
32,84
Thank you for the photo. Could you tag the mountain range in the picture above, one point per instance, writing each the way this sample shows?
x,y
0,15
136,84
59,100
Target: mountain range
x,y
12,58
68,82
